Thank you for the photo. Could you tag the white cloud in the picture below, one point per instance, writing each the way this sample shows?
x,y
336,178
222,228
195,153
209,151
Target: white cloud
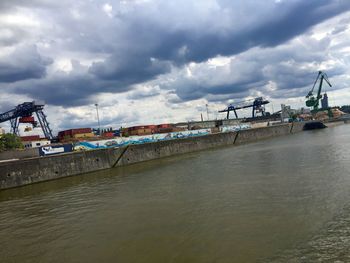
x,y
119,54
107,8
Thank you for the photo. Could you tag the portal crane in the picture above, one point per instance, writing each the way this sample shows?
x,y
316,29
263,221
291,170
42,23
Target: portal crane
x,y
257,104
311,100
23,113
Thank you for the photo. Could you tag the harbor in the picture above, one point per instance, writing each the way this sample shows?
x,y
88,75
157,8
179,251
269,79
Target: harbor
x,y
152,131
81,150
206,206
40,169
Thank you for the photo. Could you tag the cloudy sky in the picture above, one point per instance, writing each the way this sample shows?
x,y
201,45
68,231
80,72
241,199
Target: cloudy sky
x,y
154,61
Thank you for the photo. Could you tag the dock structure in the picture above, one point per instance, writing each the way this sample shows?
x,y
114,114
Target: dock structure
x,y
17,173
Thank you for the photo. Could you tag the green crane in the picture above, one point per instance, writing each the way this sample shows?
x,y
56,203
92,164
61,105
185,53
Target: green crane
x,y
311,100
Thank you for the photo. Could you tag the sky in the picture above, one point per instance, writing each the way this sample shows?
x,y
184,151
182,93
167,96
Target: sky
x,y
156,61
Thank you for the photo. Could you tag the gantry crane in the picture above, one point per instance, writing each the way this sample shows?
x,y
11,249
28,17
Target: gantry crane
x,y
23,113
312,100
257,104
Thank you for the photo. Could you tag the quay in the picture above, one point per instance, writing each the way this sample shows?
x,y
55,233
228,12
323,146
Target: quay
x,y
22,172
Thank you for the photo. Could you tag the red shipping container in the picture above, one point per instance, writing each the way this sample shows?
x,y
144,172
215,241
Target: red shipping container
x,y
29,119
72,132
108,134
30,138
164,125
80,130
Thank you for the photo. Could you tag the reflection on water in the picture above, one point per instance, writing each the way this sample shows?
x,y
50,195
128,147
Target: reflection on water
x,y
330,244
280,200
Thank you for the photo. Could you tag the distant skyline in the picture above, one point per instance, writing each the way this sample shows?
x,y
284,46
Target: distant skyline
x,y
156,61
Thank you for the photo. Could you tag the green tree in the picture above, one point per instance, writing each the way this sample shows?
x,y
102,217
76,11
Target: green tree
x,y
10,141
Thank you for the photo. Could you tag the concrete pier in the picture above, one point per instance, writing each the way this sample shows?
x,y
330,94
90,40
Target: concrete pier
x,y
34,170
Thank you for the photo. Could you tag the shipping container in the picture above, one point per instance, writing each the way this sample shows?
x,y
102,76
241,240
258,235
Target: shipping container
x,y
165,125
72,132
30,138
141,131
83,135
108,134
117,133
178,129
81,131
29,119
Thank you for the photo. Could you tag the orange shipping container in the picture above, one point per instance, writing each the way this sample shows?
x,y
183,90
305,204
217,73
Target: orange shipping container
x,y
141,132
83,135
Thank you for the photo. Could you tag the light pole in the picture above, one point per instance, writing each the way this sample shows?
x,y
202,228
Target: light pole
x,y
206,105
98,120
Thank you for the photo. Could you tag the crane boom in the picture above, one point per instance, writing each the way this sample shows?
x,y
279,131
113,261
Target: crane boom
x,y
257,104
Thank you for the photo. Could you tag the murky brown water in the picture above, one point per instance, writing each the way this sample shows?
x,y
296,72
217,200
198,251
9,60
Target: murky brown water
x,y
280,200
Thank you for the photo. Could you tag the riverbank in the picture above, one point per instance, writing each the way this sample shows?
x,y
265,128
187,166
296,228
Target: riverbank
x,y
34,170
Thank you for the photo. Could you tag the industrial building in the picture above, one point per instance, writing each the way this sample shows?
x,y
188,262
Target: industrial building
x,y
35,144
34,141
324,101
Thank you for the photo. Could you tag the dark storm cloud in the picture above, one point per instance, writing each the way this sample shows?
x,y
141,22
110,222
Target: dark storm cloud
x,y
67,89
129,70
285,21
61,90
183,46
144,40
276,72
24,63
187,90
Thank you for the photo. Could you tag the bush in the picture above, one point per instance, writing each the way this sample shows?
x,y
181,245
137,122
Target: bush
x,y
10,141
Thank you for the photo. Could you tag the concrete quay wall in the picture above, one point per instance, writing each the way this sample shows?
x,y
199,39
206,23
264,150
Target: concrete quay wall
x,y
19,154
245,136
150,151
28,171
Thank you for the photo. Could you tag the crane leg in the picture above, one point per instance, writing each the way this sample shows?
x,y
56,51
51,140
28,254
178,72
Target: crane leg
x,y
14,126
44,124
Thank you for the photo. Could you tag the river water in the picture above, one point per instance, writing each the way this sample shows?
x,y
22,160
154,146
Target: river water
x,y
281,200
